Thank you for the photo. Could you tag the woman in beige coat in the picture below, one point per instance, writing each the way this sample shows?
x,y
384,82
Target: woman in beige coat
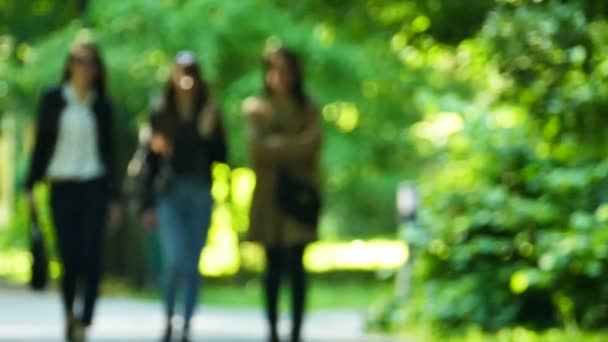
x,y
284,140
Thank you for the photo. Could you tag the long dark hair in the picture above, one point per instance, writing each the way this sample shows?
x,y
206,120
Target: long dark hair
x,y
168,112
99,84
296,91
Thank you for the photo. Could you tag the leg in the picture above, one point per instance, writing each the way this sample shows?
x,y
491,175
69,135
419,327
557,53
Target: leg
x,y
94,210
65,220
171,243
169,223
272,284
197,227
298,292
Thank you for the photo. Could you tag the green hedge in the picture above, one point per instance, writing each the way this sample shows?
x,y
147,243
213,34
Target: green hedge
x,y
516,216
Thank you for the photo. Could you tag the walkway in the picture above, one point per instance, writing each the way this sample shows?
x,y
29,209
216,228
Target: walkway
x,y
27,316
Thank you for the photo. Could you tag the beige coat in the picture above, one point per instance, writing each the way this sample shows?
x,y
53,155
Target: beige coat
x,y
280,137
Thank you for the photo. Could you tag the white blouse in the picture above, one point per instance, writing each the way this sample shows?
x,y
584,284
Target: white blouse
x,y
76,155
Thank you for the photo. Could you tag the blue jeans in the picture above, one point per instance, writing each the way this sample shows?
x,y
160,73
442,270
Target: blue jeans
x,y
184,214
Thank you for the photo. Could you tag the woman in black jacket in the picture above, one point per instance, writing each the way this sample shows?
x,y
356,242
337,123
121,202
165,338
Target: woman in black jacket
x,y
187,137
73,151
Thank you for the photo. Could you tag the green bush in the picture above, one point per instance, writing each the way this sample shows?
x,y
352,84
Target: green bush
x,y
516,216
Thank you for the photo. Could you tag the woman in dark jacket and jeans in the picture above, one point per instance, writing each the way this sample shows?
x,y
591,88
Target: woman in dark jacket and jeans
x,y
73,151
187,137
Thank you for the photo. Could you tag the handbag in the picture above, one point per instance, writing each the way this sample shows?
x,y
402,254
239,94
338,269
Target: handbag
x,y
147,175
134,183
39,269
298,199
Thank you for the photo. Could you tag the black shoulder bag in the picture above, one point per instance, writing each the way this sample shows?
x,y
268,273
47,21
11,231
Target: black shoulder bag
x,y
298,199
39,271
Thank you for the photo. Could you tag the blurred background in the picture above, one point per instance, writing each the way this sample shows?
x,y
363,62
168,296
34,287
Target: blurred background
x,y
492,111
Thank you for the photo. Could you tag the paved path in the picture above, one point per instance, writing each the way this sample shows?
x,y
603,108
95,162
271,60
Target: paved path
x,y
27,316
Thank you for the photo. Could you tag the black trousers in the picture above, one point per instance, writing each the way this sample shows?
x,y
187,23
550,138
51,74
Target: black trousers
x,y
280,261
79,214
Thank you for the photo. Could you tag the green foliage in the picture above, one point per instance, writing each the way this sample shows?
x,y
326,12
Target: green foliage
x,y
515,216
140,38
28,20
515,334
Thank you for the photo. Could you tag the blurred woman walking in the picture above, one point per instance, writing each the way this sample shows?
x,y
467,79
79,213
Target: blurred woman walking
x,y
284,138
187,137
74,152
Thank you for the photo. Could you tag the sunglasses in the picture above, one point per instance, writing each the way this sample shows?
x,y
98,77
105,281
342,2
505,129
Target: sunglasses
x,y
189,69
84,61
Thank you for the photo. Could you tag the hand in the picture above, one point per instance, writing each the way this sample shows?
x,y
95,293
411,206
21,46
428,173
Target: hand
x,y
161,144
114,215
207,123
255,105
274,141
148,219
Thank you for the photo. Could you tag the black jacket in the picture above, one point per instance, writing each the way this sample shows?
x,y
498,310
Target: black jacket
x,y
50,108
159,171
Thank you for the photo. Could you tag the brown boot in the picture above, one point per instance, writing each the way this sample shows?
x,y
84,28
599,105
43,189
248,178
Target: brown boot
x,y
79,332
168,332
70,322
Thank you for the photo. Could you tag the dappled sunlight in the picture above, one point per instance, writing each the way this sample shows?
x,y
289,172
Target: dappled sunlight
x,y
507,117
220,257
252,256
220,188
225,254
370,89
399,41
344,115
438,128
5,215
601,213
421,23
26,53
242,185
355,255
412,57
15,265
55,269
325,33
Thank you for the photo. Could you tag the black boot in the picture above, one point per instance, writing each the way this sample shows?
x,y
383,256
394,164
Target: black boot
x,y
70,327
168,332
78,332
69,330
186,334
274,337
